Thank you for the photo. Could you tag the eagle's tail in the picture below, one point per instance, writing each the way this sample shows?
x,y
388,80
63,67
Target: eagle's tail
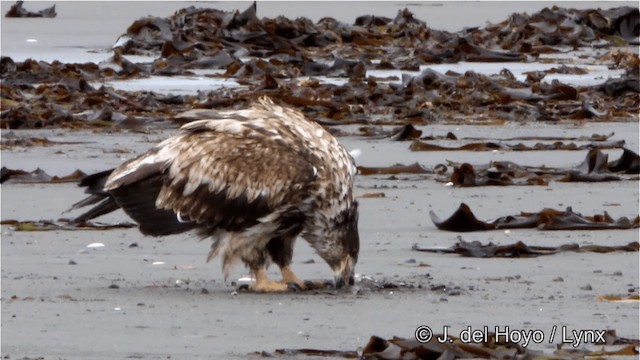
x,y
94,186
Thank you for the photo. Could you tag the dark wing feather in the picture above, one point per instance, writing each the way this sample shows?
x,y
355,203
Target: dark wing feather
x,y
107,205
94,185
138,200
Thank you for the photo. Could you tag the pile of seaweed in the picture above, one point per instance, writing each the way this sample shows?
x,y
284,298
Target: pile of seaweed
x,y
400,43
284,58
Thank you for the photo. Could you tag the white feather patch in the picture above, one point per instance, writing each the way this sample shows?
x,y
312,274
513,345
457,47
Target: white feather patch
x,y
355,153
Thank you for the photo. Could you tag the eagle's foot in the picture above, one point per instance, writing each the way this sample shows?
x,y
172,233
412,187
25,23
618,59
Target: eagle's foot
x,y
269,286
265,284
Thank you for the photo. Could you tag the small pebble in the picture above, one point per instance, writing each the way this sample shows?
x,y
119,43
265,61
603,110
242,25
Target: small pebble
x,y
114,286
71,262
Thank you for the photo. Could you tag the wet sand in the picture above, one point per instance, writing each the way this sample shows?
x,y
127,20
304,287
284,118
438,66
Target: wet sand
x,y
69,311
160,299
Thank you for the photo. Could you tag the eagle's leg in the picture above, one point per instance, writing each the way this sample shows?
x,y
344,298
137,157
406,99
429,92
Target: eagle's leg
x,y
288,277
264,283
280,250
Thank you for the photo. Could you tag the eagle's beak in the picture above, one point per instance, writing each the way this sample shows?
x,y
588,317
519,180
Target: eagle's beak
x,y
344,274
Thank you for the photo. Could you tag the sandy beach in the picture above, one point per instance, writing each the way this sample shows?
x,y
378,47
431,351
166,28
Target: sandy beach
x,y
137,297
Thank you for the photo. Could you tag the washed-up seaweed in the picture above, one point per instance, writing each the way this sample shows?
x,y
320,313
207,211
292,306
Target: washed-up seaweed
x,y
499,174
17,11
619,299
268,57
244,33
463,220
418,145
594,168
593,138
414,168
597,167
37,176
10,140
74,103
314,352
63,224
371,195
520,249
398,133
495,347
409,132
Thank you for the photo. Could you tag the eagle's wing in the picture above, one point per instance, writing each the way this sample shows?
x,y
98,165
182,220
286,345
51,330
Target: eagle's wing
x,y
216,173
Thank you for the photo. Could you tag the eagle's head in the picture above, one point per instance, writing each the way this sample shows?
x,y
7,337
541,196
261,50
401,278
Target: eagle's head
x,y
341,245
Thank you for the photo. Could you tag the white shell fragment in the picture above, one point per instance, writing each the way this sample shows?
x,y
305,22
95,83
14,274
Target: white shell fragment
x,y
246,279
95,245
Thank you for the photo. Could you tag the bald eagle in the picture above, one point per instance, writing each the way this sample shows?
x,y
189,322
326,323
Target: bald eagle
x,y
251,180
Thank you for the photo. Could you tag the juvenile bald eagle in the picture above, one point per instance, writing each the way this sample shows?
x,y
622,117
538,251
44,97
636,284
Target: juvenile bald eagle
x,y
252,180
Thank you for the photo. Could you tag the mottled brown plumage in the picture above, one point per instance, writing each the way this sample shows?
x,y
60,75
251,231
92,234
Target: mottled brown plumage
x,y
252,180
